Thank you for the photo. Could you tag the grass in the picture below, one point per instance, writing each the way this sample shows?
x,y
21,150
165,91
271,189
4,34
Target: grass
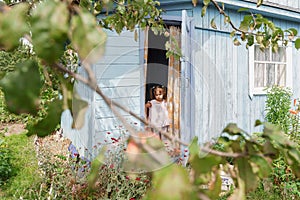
x,y
25,167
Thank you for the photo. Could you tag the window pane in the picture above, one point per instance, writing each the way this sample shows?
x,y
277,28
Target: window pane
x,y
259,72
270,74
281,75
279,56
261,55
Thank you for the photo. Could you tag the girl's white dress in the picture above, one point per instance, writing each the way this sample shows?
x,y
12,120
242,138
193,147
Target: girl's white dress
x,y
158,114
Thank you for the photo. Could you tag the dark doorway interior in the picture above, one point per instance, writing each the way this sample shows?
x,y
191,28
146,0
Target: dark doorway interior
x,y
157,66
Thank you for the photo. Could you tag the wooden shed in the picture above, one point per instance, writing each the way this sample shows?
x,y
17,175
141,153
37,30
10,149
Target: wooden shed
x,y
212,84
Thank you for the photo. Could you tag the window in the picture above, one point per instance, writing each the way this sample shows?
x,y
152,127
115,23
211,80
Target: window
x,y
267,68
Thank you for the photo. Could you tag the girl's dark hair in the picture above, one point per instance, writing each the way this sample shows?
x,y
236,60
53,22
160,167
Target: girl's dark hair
x,y
152,91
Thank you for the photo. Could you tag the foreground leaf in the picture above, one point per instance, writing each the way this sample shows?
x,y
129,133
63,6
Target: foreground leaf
x,y
49,123
13,26
171,183
87,37
49,36
79,108
297,43
22,88
246,174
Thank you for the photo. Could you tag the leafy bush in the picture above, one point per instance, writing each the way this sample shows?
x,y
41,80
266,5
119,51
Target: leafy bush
x,y
5,162
278,108
278,104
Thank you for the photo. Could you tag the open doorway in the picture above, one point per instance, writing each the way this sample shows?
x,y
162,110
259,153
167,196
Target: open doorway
x,y
164,71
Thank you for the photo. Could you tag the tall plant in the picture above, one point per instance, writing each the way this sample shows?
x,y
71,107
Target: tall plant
x,y
277,107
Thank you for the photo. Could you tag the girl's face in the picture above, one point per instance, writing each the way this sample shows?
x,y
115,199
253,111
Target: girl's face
x,y
159,94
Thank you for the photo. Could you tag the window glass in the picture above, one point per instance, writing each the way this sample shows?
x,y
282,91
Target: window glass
x,y
281,74
270,76
280,55
259,75
261,55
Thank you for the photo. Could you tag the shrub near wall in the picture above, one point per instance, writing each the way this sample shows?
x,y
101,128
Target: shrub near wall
x,y
279,112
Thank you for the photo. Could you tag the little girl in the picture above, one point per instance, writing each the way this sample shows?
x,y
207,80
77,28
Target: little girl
x,y
158,112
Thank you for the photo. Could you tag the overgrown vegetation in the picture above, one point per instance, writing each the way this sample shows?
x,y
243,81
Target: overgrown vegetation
x,y
43,168
282,183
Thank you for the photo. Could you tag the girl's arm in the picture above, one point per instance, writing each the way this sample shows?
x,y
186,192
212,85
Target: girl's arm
x,y
147,106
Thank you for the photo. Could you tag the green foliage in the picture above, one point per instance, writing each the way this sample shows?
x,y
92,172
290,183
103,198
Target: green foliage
x,y
254,28
10,33
48,36
8,60
5,162
277,107
22,88
252,160
7,117
128,14
284,181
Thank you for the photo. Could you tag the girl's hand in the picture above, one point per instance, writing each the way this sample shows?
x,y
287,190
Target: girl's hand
x,y
148,104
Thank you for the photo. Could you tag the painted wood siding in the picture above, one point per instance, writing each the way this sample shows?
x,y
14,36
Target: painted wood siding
x,y
221,77
119,75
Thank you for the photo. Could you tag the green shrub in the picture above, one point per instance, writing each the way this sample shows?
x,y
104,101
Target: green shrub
x,y
278,104
278,107
5,162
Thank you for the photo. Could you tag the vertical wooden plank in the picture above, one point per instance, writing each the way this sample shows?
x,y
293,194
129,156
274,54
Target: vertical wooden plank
x,y
174,85
220,102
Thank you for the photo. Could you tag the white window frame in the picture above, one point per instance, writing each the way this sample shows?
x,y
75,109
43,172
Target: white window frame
x,y
289,75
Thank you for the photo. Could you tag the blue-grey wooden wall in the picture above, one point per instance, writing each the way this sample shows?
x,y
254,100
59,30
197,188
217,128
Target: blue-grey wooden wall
x,y
218,75
119,74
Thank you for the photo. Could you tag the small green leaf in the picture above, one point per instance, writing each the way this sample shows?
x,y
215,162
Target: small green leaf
x,y
243,9
269,150
213,23
205,163
233,129
194,147
264,168
232,34
297,43
246,174
87,37
13,26
257,123
171,182
206,2
49,123
259,2
79,108
294,31
194,2
236,42
227,19
203,11
22,88
49,36
96,164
